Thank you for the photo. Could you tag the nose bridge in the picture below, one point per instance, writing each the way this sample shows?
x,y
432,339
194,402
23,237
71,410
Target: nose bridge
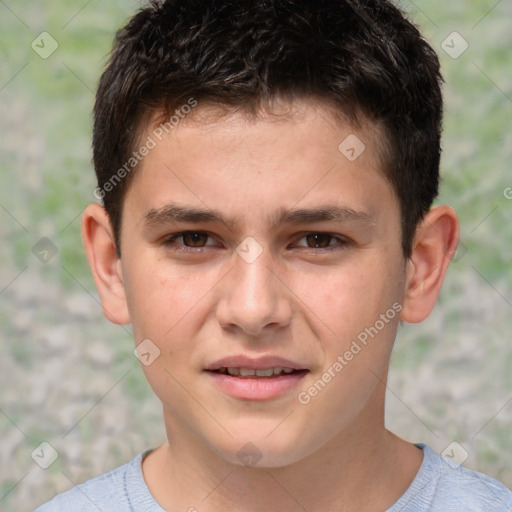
x,y
253,299
254,286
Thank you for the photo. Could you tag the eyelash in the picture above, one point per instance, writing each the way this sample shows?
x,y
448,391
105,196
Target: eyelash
x,y
171,241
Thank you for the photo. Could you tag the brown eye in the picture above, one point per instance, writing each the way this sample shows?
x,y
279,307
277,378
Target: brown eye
x,y
319,240
193,239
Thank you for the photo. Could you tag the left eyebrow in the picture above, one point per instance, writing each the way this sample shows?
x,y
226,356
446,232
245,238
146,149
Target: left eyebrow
x,y
324,214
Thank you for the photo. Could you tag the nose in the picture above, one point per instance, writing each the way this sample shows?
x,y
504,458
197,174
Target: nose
x,y
254,299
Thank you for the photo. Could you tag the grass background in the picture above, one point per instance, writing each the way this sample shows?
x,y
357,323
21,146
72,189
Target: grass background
x,y
69,378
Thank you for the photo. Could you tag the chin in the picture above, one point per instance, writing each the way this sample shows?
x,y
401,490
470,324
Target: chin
x,y
262,452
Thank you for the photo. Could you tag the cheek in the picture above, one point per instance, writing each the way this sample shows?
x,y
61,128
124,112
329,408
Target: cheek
x,y
348,299
162,297
359,327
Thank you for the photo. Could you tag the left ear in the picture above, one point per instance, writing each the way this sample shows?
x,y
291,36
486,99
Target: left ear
x,y
434,245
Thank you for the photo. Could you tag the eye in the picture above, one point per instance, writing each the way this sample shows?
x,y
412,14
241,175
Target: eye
x,y
193,239
320,241
189,239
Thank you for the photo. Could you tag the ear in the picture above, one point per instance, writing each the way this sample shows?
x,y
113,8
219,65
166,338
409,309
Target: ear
x,y
100,247
434,245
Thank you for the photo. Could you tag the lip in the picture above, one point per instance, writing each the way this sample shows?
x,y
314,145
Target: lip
x,y
256,388
254,363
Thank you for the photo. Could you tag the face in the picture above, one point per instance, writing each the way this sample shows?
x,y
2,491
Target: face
x,y
265,265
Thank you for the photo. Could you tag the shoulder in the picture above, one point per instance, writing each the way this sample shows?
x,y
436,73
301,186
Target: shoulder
x,y
122,489
442,486
462,483
99,492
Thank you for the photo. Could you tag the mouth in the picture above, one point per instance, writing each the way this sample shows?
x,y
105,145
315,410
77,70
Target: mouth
x,y
256,379
259,373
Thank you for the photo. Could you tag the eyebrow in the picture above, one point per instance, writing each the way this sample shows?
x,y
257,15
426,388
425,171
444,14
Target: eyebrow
x,y
173,213
323,214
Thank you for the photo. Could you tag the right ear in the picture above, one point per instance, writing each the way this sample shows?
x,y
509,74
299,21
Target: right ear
x,y
100,247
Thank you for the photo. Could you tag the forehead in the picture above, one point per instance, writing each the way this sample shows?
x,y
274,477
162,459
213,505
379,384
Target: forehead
x,y
307,115
297,151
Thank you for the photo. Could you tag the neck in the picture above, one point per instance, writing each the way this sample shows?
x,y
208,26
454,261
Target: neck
x,y
366,468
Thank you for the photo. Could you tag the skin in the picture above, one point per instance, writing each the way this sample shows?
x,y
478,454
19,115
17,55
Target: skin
x,y
296,301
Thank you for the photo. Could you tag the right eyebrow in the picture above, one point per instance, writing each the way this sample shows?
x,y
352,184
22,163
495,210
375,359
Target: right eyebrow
x,y
173,213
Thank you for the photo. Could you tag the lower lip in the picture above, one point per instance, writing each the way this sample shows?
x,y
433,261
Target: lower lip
x,y
254,388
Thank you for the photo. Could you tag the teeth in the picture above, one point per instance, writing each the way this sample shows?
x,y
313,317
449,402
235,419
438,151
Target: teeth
x,y
250,372
265,373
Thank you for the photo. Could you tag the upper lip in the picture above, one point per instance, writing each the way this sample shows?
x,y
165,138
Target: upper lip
x,y
259,363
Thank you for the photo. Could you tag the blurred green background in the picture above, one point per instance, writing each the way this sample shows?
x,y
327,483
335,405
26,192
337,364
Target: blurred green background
x,y
69,378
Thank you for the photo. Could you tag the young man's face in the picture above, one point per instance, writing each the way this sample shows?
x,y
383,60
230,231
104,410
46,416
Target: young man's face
x,y
291,259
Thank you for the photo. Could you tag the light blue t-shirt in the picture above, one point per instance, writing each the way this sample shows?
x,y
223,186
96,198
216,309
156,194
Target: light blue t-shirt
x,y
438,487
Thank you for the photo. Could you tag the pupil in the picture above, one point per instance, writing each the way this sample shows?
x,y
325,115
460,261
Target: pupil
x,y
194,239
318,240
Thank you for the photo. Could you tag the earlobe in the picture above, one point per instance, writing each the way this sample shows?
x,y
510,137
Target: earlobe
x,y
99,243
434,246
